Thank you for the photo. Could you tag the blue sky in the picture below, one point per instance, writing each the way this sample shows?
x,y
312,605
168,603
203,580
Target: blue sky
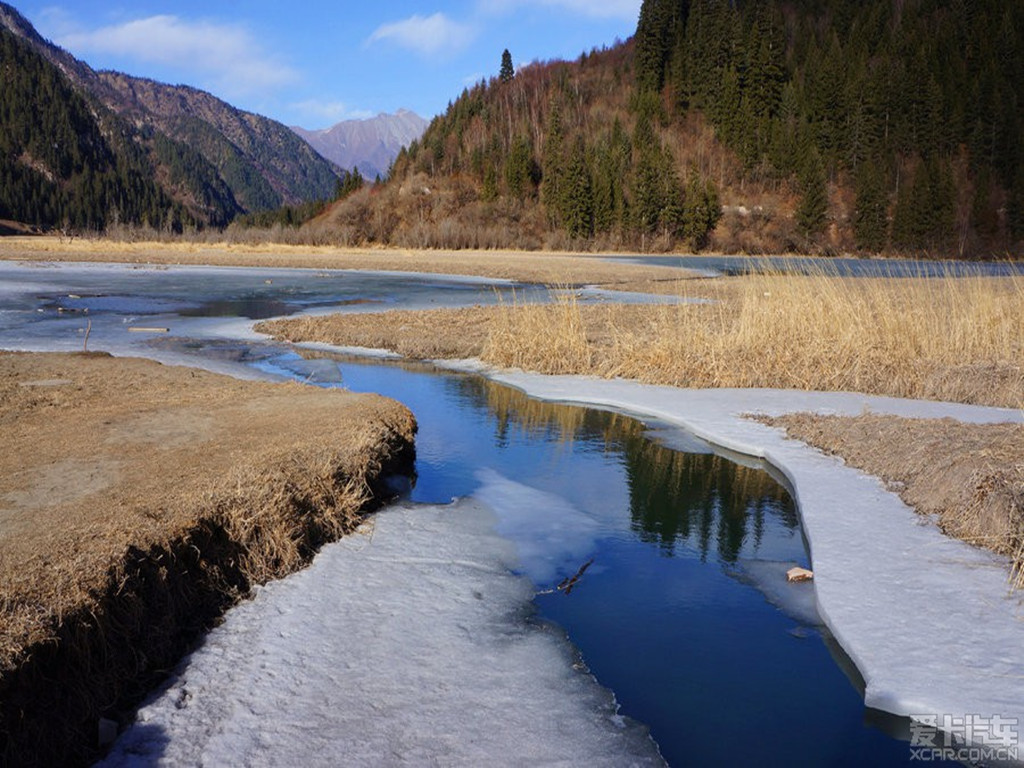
x,y
313,63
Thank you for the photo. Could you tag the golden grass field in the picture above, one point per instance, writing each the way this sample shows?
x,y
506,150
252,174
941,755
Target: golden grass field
x,y
530,267
955,339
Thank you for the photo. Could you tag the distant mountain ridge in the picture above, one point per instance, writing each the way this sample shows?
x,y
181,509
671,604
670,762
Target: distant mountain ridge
x,y
214,160
371,144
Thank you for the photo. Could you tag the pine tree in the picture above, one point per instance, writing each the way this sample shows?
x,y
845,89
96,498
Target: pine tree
x,y
507,71
984,216
1015,205
813,209
611,163
489,189
654,42
701,210
553,166
925,208
579,197
519,169
870,215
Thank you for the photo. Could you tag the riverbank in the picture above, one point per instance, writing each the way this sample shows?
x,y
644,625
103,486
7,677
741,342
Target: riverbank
x,y
968,478
138,502
926,619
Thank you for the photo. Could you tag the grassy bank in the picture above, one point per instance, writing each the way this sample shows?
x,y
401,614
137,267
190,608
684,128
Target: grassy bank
x,y
970,477
137,503
955,339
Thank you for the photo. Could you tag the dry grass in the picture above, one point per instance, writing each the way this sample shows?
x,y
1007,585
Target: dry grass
x,y
516,332
422,335
137,503
970,476
955,339
529,267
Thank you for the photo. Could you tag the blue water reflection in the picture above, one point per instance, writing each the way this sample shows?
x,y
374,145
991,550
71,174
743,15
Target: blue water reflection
x,y
682,611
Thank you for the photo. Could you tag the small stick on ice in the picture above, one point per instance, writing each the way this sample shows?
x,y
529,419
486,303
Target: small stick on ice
x,y
567,584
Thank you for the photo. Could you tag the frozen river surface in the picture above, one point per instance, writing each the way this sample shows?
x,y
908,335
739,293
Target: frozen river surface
x,y
438,634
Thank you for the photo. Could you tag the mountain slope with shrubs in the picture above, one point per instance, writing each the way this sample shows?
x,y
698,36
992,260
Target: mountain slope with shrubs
x,y
843,125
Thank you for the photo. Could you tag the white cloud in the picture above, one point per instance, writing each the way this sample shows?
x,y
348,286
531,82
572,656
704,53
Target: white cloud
x,y
222,57
600,9
328,112
427,35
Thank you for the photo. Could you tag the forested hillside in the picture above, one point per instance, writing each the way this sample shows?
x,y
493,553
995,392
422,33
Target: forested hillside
x,y
88,149
62,163
263,162
878,125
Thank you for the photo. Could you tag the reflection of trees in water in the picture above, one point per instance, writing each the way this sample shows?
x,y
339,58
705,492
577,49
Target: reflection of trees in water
x,y
700,498
253,307
513,410
675,497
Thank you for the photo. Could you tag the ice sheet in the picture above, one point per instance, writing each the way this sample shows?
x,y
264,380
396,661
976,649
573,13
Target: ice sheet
x,y
409,643
552,537
928,620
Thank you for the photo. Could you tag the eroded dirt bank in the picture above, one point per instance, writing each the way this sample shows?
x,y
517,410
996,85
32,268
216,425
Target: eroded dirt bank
x,y
137,503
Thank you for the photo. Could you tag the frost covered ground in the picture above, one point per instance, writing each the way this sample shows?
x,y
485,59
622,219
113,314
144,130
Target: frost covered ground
x,y
408,643
928,620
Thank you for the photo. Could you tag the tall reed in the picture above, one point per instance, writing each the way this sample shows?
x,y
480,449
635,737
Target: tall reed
x,y
551,338
950,338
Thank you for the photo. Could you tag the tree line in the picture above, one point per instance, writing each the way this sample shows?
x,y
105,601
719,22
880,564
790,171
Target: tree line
x,y
527,141
879,125
919,103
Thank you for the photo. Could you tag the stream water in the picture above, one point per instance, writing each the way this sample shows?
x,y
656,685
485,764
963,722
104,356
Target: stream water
x,y
662,558
683,612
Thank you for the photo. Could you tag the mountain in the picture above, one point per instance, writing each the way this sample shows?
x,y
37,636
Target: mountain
x,y
784,125
263,162
66,161
209,160
369,145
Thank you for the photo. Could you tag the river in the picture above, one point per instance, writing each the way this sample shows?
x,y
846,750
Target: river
x,y
660,557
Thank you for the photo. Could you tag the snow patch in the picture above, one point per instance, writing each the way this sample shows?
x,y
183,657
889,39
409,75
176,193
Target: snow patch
x,y
409,643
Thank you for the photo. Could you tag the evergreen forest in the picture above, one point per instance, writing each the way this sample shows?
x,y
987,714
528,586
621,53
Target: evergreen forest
x,y
806,125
